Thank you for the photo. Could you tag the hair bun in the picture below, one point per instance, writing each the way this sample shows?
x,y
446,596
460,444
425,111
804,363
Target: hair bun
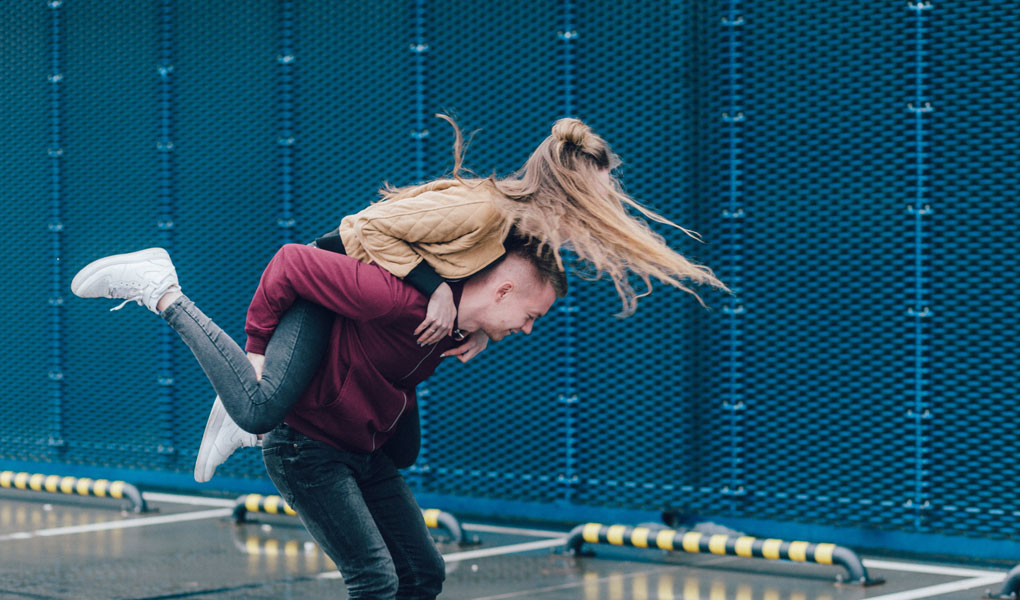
x,y
572,131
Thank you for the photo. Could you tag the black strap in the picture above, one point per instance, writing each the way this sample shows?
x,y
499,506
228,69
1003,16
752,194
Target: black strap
x,y
332,242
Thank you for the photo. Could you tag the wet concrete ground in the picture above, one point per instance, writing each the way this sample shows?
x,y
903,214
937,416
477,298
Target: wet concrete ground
x,y
62,547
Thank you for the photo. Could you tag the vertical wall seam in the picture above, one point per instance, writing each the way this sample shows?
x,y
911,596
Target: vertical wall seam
x,y
419,48
55,226
165,222
920,413
733,215
569,477
285,119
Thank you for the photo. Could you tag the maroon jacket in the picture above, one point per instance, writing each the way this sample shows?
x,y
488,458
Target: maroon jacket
x,y
373,362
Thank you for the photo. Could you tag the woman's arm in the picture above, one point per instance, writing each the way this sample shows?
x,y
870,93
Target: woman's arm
x,y
397,233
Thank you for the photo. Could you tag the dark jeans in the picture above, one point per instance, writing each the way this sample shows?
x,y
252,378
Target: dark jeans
x,y
357,506
361,512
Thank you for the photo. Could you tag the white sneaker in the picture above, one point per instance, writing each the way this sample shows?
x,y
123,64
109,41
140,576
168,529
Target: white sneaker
x,y
142,276
222,436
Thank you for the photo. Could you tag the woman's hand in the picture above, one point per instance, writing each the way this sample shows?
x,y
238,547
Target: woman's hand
x,y
257,362
439,317
475,343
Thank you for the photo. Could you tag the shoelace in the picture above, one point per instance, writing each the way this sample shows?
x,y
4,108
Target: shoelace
x,y
121,305
133,289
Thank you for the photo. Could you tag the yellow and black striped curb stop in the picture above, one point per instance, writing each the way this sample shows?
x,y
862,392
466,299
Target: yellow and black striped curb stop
x,y
730,545
82,486
276,505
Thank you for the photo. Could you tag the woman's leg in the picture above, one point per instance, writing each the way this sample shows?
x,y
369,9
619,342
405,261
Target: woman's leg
x,y
148,277
292,357
222,436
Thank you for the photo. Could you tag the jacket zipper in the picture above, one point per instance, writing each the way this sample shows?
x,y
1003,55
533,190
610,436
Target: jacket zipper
x,y
419,362
394,423
404,407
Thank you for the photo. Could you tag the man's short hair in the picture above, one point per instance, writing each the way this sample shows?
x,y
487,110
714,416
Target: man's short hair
x,y
542,258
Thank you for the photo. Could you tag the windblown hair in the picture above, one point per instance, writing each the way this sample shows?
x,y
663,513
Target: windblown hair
x,y
565,196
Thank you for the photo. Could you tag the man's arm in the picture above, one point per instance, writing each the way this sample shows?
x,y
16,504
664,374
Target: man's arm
x,y
337,282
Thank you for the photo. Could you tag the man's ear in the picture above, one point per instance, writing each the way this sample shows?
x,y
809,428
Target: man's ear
x,y
504,289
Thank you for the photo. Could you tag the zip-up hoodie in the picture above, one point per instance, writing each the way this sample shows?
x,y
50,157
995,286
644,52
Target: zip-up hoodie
x,y
367,378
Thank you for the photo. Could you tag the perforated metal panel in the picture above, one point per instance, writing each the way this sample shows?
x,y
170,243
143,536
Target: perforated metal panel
x,y
851,168
807,167
634,392
975,382
492,426
32,394
226,176
108,166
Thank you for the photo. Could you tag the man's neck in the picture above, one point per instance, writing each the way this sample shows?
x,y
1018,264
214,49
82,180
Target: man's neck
x,y
467,308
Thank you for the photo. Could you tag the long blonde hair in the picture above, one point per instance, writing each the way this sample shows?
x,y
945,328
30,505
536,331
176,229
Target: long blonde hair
x,y
566,197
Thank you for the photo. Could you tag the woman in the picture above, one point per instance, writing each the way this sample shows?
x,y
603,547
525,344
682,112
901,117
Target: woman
x,y
565,196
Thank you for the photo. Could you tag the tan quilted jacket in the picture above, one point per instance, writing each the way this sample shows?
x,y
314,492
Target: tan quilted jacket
x,y
456,229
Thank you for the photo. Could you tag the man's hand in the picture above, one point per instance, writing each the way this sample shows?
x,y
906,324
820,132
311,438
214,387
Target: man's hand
x,y
439,317
257,362
475,343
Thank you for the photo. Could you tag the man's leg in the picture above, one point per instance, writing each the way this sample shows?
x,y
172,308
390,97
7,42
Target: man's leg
x,y
321,484
420,567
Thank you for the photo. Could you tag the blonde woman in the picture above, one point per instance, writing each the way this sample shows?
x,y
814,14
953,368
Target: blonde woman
x,y
565,196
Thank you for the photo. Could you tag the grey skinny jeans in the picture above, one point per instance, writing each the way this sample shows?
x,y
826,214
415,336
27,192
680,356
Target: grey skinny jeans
x,y
292,358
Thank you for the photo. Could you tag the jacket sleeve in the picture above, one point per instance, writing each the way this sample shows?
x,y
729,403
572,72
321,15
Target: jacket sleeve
x,y
334,281
389,231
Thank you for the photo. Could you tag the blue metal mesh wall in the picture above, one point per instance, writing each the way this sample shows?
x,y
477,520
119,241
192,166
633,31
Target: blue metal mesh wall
x,y
806,172
851,169
634,375
487,434
31,393
975,382
109,202
225,183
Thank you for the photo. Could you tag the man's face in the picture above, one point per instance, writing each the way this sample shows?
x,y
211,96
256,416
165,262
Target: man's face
x,y
515,308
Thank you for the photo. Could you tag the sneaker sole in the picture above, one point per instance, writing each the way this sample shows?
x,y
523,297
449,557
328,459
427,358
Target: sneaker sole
x,y
213,423
84,276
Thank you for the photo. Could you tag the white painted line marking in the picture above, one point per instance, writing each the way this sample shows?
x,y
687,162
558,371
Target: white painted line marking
x,y
889,565
945,588
980,577
192,500
500,550
126,524
497,551
587,582
513,530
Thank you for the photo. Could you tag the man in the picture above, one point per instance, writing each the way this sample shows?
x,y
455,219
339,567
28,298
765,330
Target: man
x,y
326,458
